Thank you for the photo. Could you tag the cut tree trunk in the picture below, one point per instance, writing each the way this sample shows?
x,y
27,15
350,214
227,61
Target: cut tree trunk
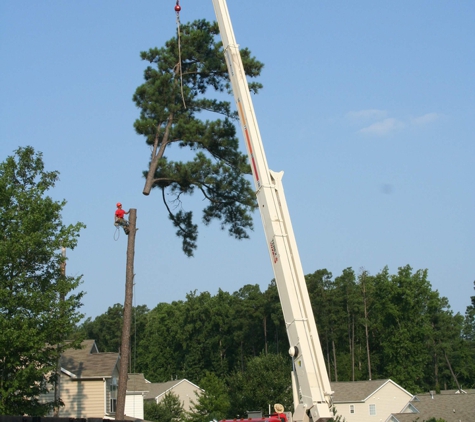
x,y
126,327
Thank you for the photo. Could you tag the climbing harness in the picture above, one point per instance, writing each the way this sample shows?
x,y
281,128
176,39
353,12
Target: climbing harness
x,y
120,222
177,10
117,226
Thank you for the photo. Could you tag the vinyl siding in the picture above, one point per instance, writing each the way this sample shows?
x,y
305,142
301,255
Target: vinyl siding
x,y
389,399
82,399
48,397
186,392
134,405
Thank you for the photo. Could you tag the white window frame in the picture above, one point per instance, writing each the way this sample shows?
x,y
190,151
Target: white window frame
x,y
112,405
352,408
113,395
372,410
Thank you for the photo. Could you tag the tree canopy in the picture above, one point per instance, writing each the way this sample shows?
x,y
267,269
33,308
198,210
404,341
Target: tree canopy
x,y
176,105
370,326
38,304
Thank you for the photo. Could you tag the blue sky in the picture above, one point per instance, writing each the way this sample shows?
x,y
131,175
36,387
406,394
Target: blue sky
x,y
368,107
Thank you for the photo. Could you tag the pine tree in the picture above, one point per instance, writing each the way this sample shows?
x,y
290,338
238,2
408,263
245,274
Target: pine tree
x,y
174,107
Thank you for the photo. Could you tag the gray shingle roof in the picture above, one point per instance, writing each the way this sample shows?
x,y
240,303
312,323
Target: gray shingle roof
x,y
355,391
87,362
157,389
448,406
137,382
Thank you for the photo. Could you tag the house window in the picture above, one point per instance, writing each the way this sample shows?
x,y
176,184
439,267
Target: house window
x,y
113,405
113,395
372,409
352,408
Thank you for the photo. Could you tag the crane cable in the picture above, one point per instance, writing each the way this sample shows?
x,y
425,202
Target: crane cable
x,y
177,10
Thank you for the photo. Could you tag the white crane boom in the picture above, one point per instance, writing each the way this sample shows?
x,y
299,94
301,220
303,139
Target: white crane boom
x,y
312,391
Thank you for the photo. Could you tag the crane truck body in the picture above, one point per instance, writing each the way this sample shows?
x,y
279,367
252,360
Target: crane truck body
x,y
311,386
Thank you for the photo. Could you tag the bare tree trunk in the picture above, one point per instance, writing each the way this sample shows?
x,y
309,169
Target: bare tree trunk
x,y
351,333
57,384
157,153
242,359
329,365
265,335
353,350
126,327
334,361
150,175
368,354
452,372
436,373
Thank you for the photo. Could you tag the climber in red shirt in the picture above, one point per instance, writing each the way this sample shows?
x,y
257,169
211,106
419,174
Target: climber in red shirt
x,y
119,218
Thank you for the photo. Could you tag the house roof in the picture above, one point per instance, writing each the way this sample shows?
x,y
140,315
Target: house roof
x,y
87,362
449,406
152,390
137,382
358,391
157,389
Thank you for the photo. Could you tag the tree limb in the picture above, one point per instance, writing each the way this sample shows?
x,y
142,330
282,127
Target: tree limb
x,y
157,156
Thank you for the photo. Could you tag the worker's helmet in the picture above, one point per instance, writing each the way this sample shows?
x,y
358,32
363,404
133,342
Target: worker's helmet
x,y
119,204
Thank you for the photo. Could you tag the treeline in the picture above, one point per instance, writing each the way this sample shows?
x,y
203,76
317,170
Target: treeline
x,y
371,327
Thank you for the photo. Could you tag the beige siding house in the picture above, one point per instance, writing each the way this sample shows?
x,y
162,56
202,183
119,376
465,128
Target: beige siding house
x,y
366,401
184,389
88,384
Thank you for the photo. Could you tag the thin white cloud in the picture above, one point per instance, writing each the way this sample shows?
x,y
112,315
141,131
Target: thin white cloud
x,y
383,127
426,119
371,114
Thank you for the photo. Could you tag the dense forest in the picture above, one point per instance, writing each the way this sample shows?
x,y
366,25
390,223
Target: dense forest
x,y
371,327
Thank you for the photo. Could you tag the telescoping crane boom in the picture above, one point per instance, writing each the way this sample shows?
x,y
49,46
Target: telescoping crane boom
x,y
311,385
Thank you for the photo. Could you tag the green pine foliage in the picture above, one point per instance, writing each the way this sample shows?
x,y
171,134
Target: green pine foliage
x,y
38,305
185,85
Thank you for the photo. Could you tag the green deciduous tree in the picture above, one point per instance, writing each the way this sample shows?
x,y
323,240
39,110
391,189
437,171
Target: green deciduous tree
x,y
174,107
403,328
469,322
160,352
169,409
265,381
212,403
105,329
468,336
38,306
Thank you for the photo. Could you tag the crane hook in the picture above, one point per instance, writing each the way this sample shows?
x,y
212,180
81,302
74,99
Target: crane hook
x,y
177,7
